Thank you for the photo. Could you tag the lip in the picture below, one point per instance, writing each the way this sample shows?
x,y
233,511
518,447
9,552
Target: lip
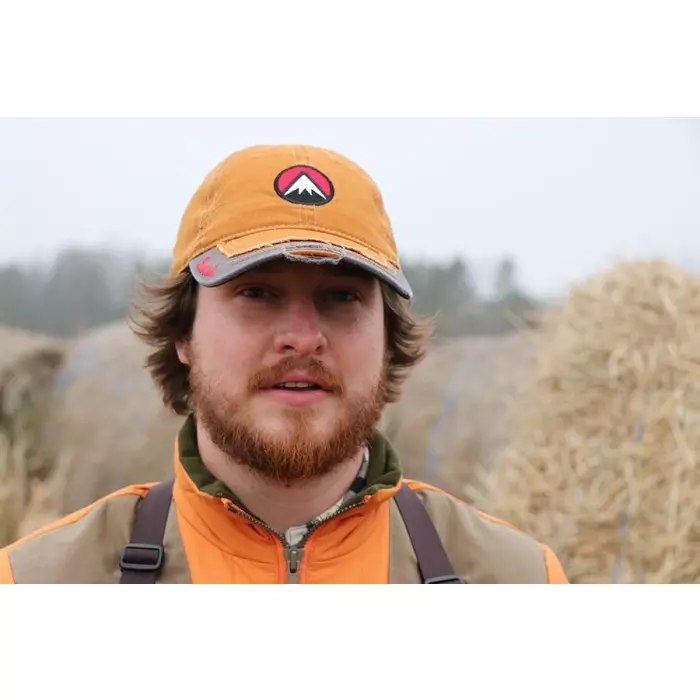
x,y
297,376
290,397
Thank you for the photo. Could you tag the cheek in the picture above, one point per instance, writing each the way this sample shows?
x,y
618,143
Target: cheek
x,y
362,351
222,349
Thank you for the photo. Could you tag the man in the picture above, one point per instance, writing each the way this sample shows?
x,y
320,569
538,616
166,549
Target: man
x,y
281,333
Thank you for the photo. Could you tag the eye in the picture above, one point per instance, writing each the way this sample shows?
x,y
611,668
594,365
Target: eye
x,y
343,295
254,292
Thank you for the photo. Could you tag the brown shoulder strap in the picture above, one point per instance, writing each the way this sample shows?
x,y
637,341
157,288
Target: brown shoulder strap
x,y
142,558
433,563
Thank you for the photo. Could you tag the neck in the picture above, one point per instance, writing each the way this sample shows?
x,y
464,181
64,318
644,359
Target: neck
x,y
277,505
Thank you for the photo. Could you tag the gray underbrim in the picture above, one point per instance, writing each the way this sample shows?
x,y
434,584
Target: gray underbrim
x,y
212,268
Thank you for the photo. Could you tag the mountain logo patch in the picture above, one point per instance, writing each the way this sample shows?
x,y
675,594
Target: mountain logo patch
x,y
303,184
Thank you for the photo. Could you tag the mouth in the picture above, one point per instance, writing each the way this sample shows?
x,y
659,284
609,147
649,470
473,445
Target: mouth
x,y
297,394
297,386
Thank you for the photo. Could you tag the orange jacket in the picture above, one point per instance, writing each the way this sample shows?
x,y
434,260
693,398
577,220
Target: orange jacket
x,y
211,538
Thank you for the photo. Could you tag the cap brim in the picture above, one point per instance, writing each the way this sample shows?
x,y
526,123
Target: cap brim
x,y
213,268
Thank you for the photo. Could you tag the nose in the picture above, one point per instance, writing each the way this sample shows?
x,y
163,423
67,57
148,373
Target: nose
x,y
300,331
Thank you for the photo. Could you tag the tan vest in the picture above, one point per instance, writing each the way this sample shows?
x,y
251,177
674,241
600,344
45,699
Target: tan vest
x,y
370,545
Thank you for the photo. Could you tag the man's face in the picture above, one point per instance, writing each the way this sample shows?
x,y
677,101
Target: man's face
x,y
287,366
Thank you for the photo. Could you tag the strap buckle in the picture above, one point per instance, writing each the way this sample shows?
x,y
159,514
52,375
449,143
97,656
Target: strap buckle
x,y
144,557
449,578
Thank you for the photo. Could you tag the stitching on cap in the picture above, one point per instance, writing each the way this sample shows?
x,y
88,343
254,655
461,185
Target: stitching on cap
x,y
303,227
289,249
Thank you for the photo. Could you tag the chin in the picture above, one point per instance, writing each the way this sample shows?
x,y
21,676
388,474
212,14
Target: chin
x,y
297,424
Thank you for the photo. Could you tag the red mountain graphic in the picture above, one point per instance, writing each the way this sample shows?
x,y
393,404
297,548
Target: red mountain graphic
x,y
303,184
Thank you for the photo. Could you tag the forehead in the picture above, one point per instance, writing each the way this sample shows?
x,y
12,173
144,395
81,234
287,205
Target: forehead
x,y
286,268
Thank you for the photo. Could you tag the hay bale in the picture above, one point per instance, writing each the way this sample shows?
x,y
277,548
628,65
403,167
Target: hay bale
x,y
604,463
40,509
454,415
108,426
28,363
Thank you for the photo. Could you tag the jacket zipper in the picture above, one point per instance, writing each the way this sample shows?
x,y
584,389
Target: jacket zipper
x,y
293,554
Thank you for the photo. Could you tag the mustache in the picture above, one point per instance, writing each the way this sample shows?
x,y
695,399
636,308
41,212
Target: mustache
x,y
318,372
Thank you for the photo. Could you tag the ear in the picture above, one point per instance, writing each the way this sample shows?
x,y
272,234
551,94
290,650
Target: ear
x,y
182,348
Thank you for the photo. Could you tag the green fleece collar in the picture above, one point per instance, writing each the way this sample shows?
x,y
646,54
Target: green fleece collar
x,y
384,470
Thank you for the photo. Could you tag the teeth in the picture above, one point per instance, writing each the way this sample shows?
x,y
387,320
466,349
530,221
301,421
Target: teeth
x,y
296,385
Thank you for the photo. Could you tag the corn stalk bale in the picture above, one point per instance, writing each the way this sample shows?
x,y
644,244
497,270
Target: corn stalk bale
x,y
604,463
108,426
28,363
454,415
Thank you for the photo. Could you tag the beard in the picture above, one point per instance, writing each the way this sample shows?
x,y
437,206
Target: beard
x,y
296,453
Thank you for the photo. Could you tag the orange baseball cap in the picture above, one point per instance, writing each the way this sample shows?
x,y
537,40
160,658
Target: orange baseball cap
x,y
302,203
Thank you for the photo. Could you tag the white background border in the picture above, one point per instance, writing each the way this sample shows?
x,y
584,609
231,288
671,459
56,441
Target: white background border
x,y
324,59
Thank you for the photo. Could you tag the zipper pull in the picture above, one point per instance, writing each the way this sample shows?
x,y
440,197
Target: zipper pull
x,y
293,556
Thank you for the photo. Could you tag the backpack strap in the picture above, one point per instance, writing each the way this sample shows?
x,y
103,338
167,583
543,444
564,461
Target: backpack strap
x,y
433,563
142,559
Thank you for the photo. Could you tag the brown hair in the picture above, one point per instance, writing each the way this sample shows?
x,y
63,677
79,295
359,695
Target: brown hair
x,y
167,317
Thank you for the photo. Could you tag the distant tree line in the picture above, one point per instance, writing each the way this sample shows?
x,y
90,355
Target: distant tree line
x,y
84,288
448,291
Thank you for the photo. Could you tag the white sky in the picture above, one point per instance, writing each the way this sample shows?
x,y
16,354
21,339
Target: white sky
x,y
562,195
